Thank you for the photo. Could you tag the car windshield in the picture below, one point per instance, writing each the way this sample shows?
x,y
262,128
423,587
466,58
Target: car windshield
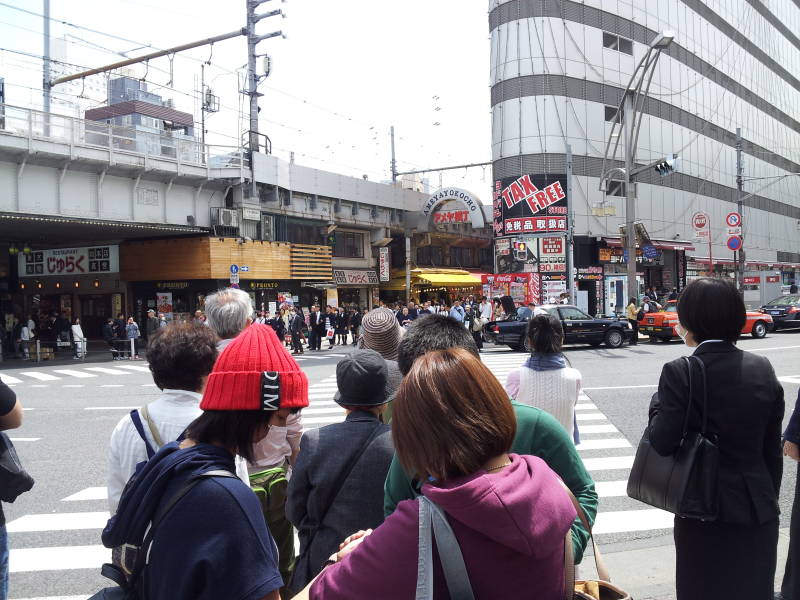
x,y
785,301
671,308
571,313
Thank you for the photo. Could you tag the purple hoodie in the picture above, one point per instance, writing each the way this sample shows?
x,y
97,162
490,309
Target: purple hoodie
x,y
511,527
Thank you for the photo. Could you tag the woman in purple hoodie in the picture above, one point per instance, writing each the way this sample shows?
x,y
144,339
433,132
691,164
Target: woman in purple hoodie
x,y
452,426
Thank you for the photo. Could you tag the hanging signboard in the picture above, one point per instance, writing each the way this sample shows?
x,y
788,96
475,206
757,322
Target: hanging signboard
x,y
383,263
530,204
472,205
164,304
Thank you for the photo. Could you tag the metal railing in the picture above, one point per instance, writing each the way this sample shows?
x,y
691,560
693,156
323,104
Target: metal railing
x,y
170,146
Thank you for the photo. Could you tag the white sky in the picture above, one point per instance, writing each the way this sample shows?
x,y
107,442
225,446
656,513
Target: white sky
x,y
347,71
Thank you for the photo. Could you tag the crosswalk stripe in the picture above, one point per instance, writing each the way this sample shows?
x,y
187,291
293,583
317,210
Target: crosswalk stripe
x,y
598,429
590,417
603,444
608,463
10,379
112,385
323,420
39,376
610,489
74,385
135,368
110,407
632,520
57,558
84,597
585,406
90,493
58,522
21,439
78,374
320,411
107,371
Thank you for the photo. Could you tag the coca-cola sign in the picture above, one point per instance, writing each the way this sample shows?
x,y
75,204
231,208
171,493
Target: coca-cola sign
x,y
92,260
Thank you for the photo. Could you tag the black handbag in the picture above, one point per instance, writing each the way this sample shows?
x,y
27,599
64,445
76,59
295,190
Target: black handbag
x,y
685,482
14,480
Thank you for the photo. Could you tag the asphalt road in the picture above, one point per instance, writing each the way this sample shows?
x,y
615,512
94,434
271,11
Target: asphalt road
x,y
72,409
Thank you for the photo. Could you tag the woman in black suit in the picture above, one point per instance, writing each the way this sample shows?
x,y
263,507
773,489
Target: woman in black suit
x,y
733,557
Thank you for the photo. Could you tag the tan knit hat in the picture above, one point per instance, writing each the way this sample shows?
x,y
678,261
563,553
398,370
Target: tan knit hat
x,y
381,332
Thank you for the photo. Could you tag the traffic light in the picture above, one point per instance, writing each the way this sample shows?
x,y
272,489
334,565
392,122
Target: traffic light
x,y
520,251
667,165
330,239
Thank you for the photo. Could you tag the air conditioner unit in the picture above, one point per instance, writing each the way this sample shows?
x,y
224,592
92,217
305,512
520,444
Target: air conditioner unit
x,y
228,217
268,228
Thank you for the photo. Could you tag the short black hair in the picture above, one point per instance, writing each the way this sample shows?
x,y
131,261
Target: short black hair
x,y
181,354
712,309
432,332
545,334
232,429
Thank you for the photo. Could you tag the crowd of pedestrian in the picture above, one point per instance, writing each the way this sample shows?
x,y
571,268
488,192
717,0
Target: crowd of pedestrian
x,y
211,480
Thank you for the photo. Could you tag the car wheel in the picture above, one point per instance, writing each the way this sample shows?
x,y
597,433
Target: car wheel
x,y
759,329
614,338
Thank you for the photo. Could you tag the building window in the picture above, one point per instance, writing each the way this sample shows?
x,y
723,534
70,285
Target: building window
x,y
620,44
611,113
430,255
461,257
349,245
487,257
299,232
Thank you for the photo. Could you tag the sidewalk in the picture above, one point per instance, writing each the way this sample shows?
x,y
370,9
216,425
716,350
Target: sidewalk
x,y
646,568
97,351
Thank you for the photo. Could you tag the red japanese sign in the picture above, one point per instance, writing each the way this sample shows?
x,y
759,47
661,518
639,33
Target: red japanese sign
x,y
446,217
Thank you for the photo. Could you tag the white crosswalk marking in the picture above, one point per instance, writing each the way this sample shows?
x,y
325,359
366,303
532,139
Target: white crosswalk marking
x,y
58,522
39,376
57,558
135,368
9,379
73,373
91,493
108,371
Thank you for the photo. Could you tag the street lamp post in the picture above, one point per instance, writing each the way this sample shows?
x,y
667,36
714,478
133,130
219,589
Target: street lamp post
x,y
629,117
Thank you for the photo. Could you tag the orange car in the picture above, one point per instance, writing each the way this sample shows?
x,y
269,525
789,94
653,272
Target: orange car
x,y
661,325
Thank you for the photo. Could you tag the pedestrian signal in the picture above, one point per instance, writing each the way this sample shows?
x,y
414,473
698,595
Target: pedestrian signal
x,y
520,250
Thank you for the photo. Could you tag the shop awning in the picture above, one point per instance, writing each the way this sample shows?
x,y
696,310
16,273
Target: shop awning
x,y
660,244
451,279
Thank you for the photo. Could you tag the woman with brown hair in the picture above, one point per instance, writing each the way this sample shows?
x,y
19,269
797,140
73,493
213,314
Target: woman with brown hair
x,y
453,426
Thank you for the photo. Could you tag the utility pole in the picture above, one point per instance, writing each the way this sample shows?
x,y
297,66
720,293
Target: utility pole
x,y
46,85
739,256
394,162
570,238
630,195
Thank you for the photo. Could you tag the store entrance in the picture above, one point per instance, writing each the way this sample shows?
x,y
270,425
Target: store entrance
x,y
95,309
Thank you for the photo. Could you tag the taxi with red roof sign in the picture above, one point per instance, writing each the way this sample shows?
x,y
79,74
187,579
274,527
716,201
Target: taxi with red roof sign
x,y
661,325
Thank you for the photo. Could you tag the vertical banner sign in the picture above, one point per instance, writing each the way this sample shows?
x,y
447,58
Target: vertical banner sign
x,y
164,304
530,204
383,263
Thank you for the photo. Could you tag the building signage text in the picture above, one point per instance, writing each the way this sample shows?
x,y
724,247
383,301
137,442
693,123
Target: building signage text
x,y
263,285
530,204
355,277
172,285
473,206
383,263
92,260
445,217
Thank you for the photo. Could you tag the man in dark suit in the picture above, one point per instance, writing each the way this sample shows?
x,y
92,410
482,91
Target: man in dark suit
x,y
790,588
316,328
296,330
336,487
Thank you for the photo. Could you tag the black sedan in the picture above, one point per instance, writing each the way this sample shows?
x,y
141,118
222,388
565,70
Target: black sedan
x,y
785,311
579,328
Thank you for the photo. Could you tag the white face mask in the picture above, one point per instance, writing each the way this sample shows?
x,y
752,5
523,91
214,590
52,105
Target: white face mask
x,y
679,329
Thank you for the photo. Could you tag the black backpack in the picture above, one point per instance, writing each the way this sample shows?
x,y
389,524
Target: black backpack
x,y
640,314
128,575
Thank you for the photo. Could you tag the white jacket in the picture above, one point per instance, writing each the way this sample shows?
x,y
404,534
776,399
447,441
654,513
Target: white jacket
x,y
77,333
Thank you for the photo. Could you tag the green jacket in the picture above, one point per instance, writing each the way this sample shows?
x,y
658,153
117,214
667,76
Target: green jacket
x,y
538,434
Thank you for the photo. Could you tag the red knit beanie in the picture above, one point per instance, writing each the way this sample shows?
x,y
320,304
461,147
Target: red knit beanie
x,y
255,372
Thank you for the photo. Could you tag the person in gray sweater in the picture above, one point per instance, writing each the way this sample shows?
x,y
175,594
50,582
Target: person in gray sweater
x,y
336,488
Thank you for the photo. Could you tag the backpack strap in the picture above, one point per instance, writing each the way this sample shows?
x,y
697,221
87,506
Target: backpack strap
x,y
144,549
137,423
153,430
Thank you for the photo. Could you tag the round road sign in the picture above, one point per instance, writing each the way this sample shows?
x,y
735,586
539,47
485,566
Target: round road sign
x,y
733,219
734,243
700,221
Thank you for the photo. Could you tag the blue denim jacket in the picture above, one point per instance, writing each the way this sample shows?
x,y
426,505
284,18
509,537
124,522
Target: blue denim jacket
x,y
792,432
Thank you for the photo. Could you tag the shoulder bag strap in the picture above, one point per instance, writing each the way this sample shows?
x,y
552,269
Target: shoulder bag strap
x,y
688,360
455,571
702,365
341,479
144,549
424,590
600,563
137,423
152,426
